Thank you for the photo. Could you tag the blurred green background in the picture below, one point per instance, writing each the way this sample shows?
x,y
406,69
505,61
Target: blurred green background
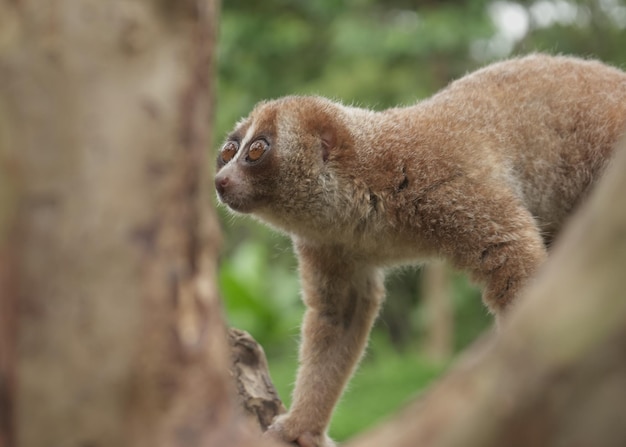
x,y
373,54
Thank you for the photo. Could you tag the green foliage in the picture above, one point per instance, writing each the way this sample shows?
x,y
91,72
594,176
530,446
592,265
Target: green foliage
x,y
471,316
260,287
370,52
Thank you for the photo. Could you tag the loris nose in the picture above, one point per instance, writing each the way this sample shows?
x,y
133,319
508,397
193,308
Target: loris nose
x,y
221,182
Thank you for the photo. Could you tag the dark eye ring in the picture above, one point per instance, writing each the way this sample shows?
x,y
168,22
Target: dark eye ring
x,y
257,149
228,151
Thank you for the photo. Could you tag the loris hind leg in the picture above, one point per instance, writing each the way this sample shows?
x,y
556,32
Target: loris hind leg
x,y
342,299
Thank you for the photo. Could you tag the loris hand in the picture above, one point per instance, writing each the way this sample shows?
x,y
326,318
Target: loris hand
x,y
283,430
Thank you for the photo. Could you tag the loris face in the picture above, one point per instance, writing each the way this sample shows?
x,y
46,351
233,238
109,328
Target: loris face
x,y
247,165
277,163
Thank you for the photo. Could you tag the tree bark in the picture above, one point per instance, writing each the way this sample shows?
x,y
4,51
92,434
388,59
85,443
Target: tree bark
x,y
255,391
8,302
111,332
555,375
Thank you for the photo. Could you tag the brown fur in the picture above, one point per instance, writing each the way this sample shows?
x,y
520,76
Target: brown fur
x,y
483,174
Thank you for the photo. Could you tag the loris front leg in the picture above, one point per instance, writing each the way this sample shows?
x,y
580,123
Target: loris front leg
x,y
342,299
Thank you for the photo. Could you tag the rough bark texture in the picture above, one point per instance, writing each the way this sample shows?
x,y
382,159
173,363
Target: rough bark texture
x,y
111,333
255,390
556,374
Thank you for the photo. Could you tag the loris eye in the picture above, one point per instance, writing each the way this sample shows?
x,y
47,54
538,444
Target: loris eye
x,y
256,151
228,151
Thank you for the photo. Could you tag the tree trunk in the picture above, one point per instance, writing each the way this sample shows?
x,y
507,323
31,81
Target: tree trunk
x,y
111,333
8,302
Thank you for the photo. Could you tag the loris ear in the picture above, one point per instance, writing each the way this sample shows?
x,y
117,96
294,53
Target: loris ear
x,y
329,140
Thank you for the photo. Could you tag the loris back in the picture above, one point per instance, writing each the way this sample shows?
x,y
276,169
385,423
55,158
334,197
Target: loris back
x,y
483,174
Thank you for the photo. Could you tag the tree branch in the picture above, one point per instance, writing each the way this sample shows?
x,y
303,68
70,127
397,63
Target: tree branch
x,y
255,389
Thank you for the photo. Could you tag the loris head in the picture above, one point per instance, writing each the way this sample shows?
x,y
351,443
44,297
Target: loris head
x,y
281,163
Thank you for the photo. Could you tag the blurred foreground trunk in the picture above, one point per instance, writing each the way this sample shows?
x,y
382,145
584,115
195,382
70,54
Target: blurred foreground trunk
x,y
110,329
